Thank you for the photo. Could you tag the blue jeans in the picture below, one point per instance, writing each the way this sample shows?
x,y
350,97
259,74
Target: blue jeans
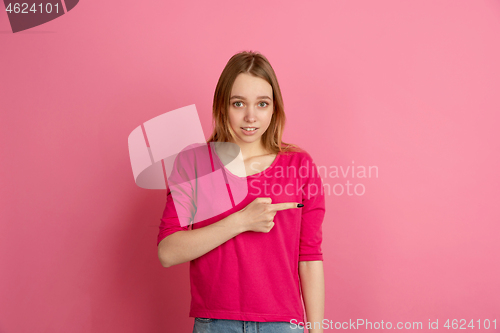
x,y
208,325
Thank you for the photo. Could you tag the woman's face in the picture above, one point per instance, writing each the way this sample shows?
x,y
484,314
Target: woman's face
x,y
250,105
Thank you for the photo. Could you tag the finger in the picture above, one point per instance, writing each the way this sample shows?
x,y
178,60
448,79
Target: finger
x,y
283,205
265,199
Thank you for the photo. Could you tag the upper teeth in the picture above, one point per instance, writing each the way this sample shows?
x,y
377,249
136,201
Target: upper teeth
x,y
249,128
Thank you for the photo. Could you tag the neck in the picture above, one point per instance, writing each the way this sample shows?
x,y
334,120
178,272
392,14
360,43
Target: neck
x,y
249,150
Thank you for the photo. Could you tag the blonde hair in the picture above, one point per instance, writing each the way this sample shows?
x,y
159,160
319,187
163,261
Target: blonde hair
x,y
257,65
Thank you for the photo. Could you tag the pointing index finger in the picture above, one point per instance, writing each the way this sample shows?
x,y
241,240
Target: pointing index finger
x,y
285,205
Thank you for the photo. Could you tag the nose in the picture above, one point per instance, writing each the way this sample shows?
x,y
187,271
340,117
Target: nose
x,y
250,114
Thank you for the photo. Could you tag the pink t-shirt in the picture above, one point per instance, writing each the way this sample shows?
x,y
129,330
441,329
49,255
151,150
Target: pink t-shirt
x,y
254,276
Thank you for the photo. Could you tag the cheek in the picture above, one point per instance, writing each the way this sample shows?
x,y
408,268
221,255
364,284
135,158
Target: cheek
x,y
269,118
234,121
232,118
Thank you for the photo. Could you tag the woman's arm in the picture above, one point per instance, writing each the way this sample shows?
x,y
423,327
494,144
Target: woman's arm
x,y
185,245
312,281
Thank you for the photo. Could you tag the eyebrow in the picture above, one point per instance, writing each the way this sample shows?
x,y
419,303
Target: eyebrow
x,y
258,97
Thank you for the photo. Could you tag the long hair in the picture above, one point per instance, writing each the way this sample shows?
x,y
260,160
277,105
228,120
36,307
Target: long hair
x,y
257,65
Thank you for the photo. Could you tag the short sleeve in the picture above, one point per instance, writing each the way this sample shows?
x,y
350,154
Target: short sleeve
x,y
170,222
313,213
179,209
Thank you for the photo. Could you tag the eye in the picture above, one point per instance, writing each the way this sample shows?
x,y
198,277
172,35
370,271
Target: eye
x,y
236,103
266,104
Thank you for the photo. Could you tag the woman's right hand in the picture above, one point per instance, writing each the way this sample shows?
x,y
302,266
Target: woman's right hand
x,y
258,215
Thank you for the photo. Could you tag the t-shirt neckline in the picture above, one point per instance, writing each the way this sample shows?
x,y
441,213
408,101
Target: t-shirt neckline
x,y
250,176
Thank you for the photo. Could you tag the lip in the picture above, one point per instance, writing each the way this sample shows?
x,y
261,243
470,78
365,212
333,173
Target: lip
x,y
249,132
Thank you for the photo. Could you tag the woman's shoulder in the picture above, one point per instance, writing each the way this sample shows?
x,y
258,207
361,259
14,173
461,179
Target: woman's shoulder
x,y
191,157
190,153
296,153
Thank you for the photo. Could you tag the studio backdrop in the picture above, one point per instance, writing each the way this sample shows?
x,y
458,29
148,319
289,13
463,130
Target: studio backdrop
x,y
396,102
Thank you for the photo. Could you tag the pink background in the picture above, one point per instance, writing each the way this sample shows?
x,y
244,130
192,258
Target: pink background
x,y
409,87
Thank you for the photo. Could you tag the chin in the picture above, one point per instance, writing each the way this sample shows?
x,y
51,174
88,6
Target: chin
x,y
250,139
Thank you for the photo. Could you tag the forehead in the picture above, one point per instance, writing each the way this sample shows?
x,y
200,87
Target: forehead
x,y
246,84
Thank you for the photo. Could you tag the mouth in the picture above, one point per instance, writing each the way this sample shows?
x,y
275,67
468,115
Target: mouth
x,y
250,129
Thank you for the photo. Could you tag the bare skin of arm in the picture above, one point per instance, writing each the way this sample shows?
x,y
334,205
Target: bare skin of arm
x,y
186,245
312,281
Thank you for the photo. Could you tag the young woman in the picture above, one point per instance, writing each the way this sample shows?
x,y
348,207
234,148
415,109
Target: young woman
x,y
252,265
